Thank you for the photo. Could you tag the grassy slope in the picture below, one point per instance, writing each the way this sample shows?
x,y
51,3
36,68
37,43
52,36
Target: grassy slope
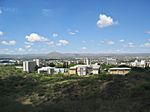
x,y
21,92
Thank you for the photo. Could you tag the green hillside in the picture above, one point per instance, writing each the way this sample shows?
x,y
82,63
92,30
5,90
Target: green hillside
x,y
22,92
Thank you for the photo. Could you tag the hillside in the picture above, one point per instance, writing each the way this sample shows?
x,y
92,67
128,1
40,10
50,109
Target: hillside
x,y
21,92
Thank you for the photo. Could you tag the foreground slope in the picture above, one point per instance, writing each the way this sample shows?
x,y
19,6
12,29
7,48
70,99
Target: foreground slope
x,y
21,92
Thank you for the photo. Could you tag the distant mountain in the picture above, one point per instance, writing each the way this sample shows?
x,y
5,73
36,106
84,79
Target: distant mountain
x,y
58,55
55,55
94,55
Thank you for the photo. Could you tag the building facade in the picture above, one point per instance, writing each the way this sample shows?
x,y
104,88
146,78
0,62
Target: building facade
x,y
29,66
119,71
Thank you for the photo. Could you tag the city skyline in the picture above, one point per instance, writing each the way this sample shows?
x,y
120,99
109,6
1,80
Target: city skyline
x,y
92,26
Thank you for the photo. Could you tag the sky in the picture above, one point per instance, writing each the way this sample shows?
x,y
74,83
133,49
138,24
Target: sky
x,y
74,26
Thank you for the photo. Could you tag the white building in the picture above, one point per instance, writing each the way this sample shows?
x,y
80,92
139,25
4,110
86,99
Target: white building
x,y
51,70
47,70
111,61
119,71
29,66
87,61
95,69
83,70
137,63
142,63
37,62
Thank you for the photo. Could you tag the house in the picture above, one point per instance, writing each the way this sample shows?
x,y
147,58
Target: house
x,y
119,71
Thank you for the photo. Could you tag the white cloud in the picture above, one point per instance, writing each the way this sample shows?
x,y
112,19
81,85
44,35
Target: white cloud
x,y
84,48
73,32
33,37
1,33
107,42
55,34
62,43
28,43
130,45
76,31
50,43
12,42
110,42
10,9
58,44
46,12
20,49
102,41
105,21
27,46
84,41
1,11
147,44
148,32
121,40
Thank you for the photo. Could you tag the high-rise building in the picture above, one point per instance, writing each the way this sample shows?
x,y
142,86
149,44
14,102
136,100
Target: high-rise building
x,y
29,66
37,62
87,61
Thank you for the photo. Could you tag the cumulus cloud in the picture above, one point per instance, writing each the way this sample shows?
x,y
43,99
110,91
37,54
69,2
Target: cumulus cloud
x,y
147,44
34,37
110,42
27,46
12,42
55,34
130,45
50,43
121,40
84,41
71,32
20,49
28,43
84,48
1,11
46,12
1,33
62,43
105,21
107,42
148,32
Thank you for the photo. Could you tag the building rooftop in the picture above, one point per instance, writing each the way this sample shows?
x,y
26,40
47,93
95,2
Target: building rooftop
x,y
119,68
45,68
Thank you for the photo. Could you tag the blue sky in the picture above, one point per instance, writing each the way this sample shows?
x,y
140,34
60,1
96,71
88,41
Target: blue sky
x,y
76,26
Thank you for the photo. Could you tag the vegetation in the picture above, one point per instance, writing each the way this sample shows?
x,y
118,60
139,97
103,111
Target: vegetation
x,y
22,92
